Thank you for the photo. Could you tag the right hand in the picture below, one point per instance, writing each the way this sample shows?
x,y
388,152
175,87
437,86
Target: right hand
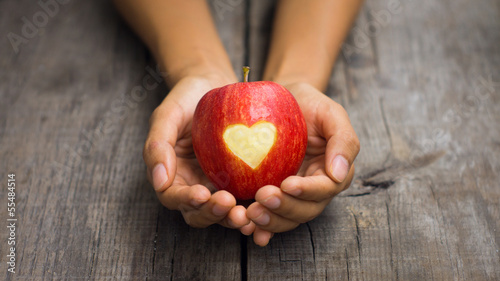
x,y
173,169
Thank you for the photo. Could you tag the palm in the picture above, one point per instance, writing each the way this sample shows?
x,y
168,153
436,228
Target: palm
x,y
191,192
186,96
303,197
189,171
314,160
170,144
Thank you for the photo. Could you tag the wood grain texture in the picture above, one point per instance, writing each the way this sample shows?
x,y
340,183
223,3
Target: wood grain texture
x,y
419,79
421,90
72,129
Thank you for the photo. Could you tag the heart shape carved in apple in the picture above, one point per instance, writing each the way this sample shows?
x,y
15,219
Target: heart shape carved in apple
x,y
248,135
252,144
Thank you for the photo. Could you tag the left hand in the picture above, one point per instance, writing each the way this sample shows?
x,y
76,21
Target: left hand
x,y
179,182
326,171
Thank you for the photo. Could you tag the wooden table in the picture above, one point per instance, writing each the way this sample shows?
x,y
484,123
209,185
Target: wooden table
x,y
420,80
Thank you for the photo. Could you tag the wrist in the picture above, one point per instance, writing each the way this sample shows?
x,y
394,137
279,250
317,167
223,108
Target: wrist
x,y
205,81
298,86
188,90
208,63
215,75
185,94
295,76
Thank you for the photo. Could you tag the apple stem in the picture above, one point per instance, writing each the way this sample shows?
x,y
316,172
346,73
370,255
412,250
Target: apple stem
x,y
246,70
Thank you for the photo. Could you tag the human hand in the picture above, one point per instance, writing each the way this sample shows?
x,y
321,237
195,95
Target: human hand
x,y
172,167
326,171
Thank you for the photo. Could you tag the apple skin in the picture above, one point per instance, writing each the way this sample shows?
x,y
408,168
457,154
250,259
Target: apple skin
x,y
247,103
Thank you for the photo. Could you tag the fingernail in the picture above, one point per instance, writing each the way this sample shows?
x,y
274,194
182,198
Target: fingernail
x,y
294,191
220,210
231,223
340,168
263,219
246,229
272,202
200,196
196,203
234,225
160,176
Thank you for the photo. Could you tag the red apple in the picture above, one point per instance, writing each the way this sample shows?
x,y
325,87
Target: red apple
x,y
248,135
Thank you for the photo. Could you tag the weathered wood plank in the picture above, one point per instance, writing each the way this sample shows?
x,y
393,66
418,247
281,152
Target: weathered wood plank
x,y
214,253
430,71
81,183
424,205
422,90
72,130
230,19
261,14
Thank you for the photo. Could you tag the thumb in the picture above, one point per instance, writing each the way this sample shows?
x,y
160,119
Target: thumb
x,y
158,152
343,144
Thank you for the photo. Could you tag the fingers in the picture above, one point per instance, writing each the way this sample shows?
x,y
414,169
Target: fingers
x,y
288,207
158,153
213,211
315,188
201,209
161,165
236,218
179,196
275,210
248,229
267,220
261,237
342,143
